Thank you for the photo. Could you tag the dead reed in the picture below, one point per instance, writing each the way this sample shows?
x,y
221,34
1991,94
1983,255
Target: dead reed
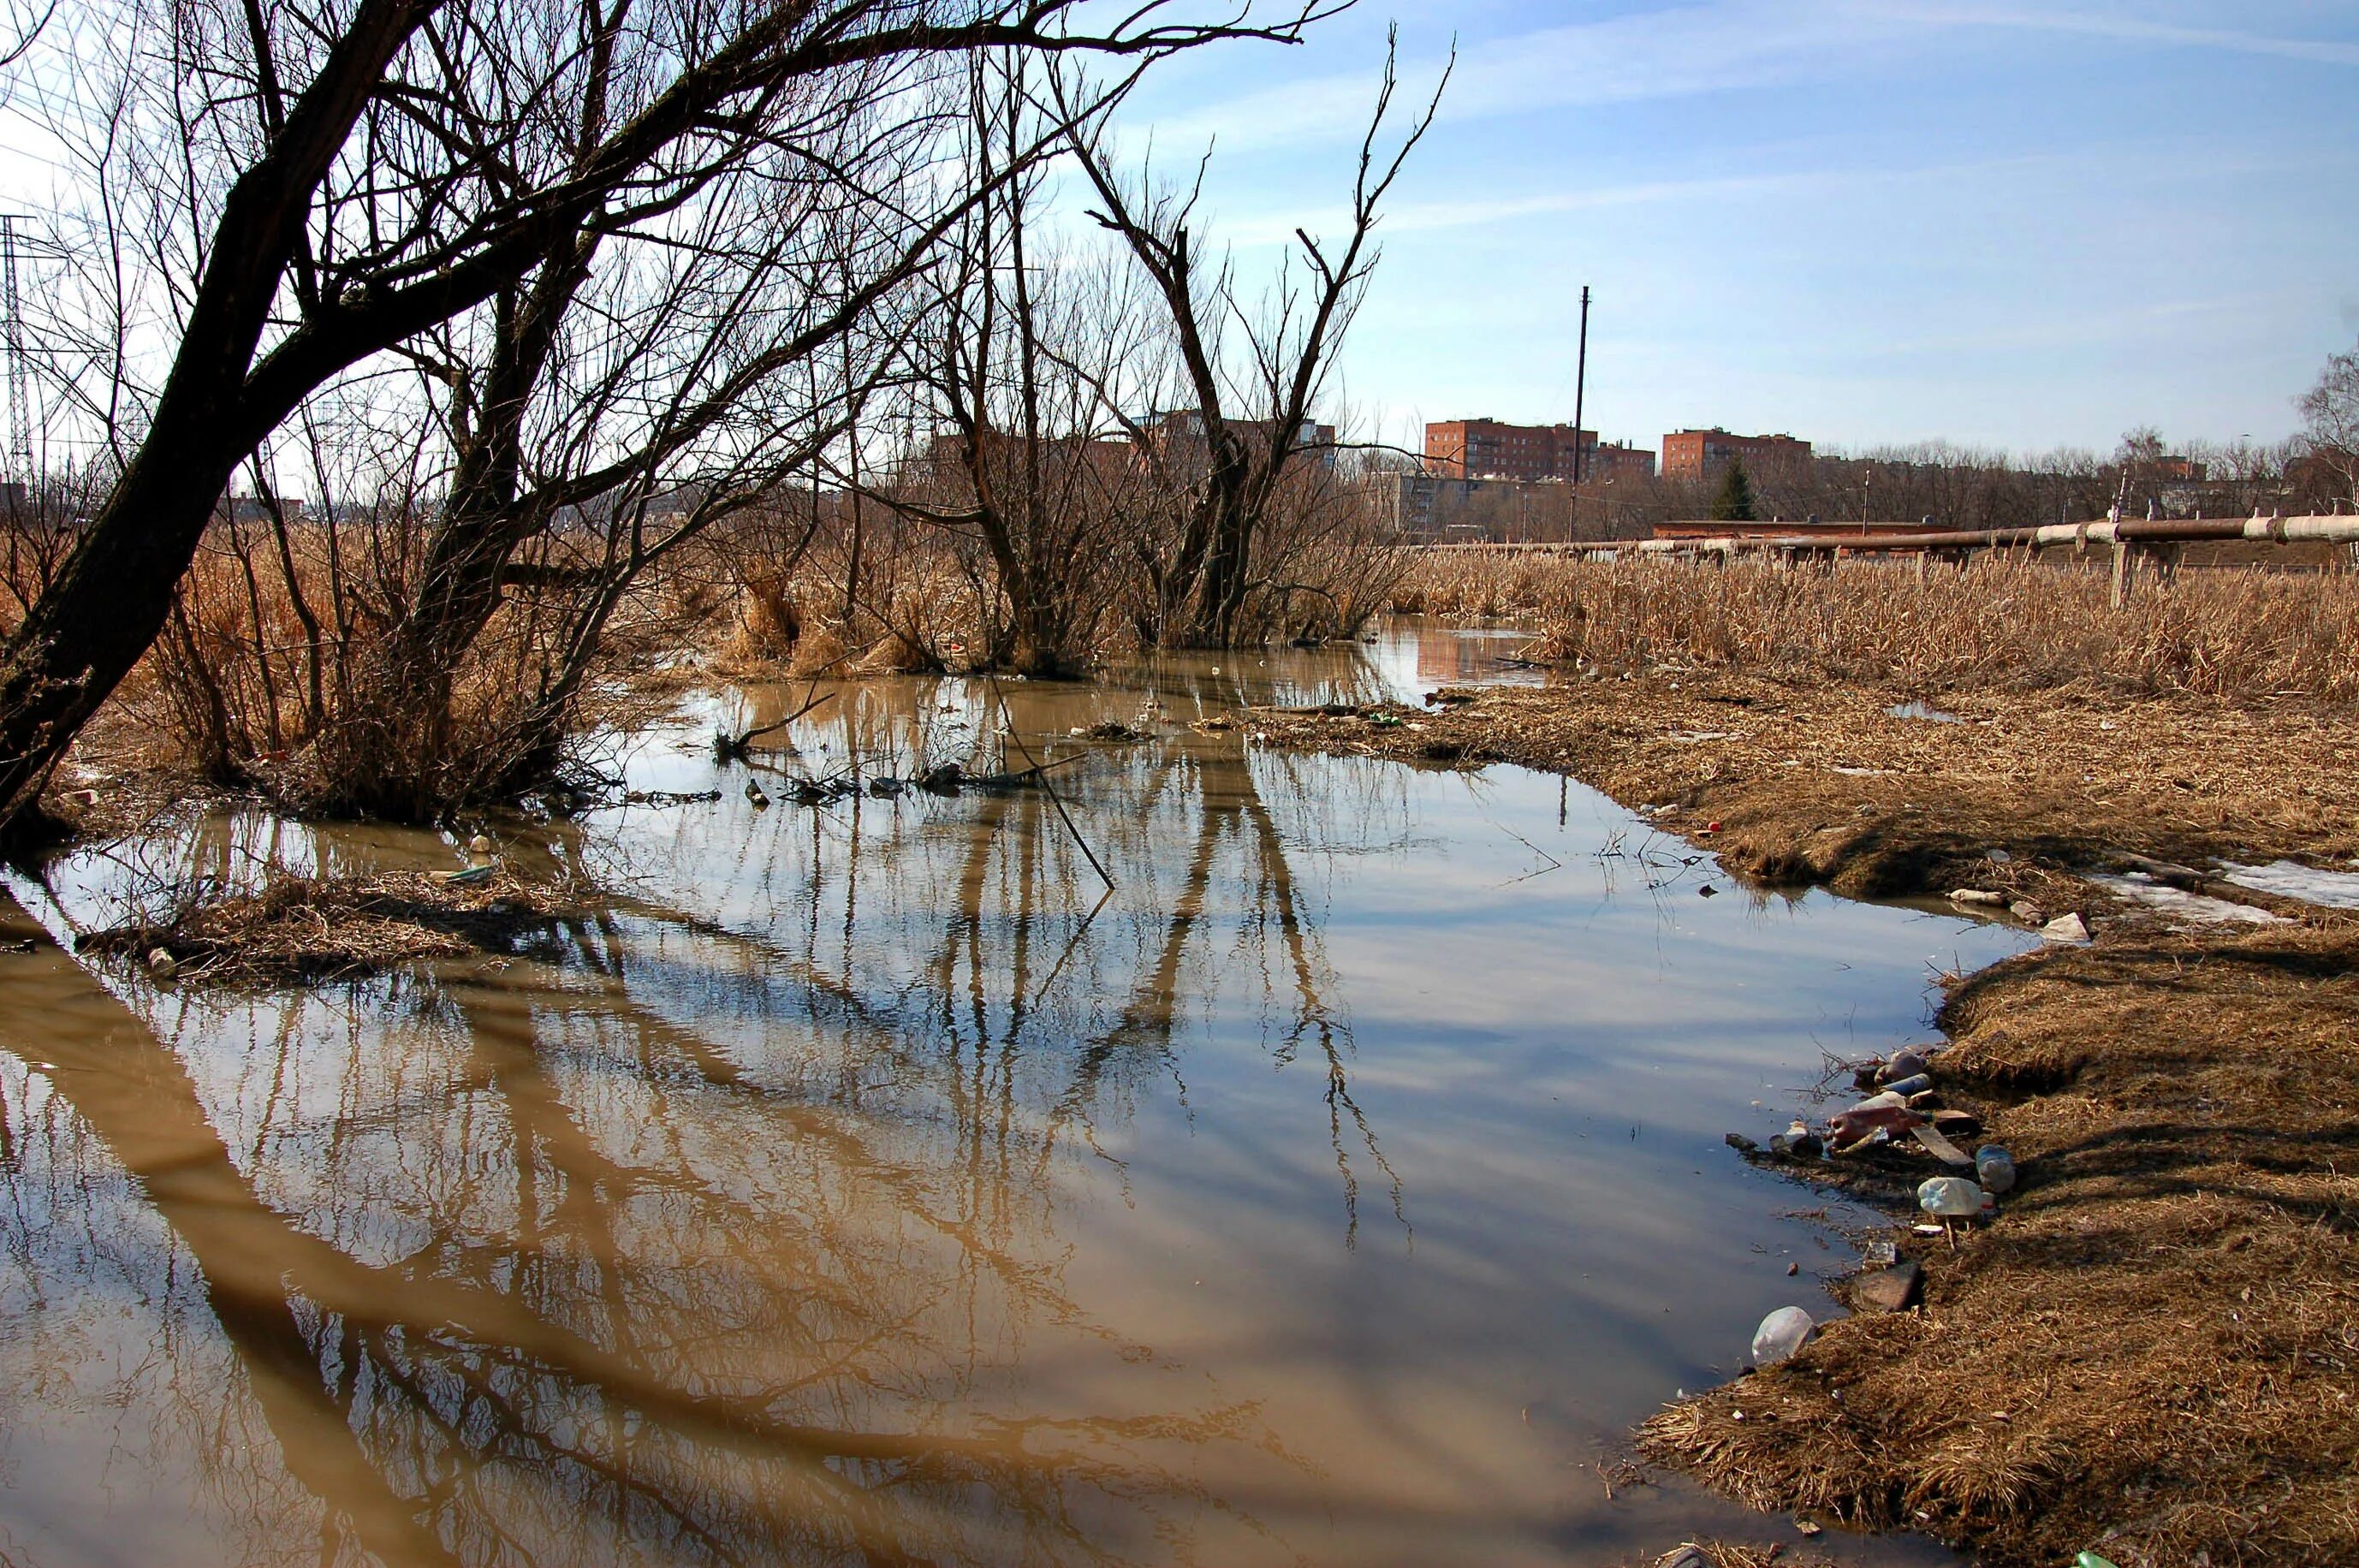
x,y
310,927
2003,621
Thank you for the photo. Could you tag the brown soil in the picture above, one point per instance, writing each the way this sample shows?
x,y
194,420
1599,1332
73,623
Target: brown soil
x,y
2151,1352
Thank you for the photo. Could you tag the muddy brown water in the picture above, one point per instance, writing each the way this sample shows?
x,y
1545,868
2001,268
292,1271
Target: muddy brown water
x,y
863,1183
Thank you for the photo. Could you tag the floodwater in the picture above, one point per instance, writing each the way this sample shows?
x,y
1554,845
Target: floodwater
x,y
866,1183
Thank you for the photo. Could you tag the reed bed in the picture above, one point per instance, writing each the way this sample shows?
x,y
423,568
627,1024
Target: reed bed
x,y
2005,621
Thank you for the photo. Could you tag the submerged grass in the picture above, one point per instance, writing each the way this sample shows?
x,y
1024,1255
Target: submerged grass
x,y
2006,620
306,927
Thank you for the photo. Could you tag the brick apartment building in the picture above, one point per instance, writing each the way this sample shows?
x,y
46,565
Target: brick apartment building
x,y
1485,449
1701,455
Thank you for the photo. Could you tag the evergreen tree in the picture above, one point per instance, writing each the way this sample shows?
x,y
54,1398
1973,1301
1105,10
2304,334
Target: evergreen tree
x,y
1734,504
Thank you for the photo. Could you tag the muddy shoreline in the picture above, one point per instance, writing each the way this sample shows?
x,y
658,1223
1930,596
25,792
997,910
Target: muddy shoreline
x,y
2150,1352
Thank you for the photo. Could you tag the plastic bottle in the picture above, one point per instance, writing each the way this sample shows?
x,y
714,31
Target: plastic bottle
x,y
1781,1334
1916,1083
1994,1167
1949,1197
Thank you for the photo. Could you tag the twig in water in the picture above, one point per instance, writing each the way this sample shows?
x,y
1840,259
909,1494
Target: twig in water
x,y
1054,798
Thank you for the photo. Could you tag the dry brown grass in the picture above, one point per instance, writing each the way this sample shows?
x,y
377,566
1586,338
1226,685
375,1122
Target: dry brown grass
x,y
2155,1352
2005,620
2152,1351
303,928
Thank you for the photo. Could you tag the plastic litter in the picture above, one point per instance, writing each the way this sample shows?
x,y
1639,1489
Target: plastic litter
x,y
2065,928
1915,1083
1781,1334
1995,1169
1949,1197
1905,1063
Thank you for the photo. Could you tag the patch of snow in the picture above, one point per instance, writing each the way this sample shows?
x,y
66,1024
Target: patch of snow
x,y
2334,889
2140,888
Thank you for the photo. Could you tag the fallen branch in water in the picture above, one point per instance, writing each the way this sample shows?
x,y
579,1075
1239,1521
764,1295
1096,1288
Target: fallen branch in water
x,y
727,748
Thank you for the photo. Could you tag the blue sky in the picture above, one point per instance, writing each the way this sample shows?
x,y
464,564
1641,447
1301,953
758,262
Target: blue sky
x,y
2025,226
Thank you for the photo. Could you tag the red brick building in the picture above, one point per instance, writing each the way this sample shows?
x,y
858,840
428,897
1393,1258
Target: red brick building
x,y
1486,449
1700,455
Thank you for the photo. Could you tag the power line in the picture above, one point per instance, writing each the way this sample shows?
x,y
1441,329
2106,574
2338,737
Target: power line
x,y
12,341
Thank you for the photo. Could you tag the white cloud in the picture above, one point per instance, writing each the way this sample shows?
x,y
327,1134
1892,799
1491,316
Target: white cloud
x,y
1678,51
2133,29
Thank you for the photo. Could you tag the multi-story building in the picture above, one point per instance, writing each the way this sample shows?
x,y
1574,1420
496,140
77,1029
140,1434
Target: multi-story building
x,y
1486,449
1701,455
1314,441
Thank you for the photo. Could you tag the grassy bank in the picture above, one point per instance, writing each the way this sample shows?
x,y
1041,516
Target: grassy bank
x,y
2003,621
2151,1352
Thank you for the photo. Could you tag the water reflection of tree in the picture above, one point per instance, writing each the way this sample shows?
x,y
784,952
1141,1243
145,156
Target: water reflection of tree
x,y
1198,831
725,1224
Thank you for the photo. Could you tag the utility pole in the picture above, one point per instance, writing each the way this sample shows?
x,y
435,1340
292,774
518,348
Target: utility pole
x,y
1580,383
1579,396
12,341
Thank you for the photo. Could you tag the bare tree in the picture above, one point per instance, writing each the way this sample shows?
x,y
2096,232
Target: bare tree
x,y
1026,352
2329,412
348,180
1229,455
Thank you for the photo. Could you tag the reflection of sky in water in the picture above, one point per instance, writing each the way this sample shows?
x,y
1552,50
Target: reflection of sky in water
x,y
1365,1145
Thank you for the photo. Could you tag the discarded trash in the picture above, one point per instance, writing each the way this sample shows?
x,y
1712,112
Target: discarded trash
x,y
1915,1083
2091,1560
1905,1063
1781,1334
1995,1169
1939,1146
1997,856
1886,1113
1883,1254
467,878
1957,1124
884,788
2065,928
479,845
1689,1555
1976,895
754,794
1708,890
1895,1287
161,963
1949,1197
1797,1142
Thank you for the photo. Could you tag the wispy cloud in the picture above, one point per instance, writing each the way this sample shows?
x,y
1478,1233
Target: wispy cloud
x,y
1681,51
1417,217
1685,50
2129,29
